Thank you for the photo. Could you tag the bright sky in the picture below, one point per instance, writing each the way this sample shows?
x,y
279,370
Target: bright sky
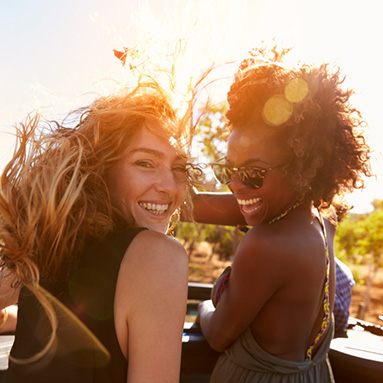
x,y
54,54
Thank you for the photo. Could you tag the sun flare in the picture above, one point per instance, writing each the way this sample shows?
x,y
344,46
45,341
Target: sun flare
x,y
176,41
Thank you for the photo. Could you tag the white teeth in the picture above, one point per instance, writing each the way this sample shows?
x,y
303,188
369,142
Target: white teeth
x,y
154,208
248,201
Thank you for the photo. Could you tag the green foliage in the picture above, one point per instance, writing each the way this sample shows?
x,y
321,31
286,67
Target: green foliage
x,y
341,254
197,271
357,276
210,130
370,233
225,249
188,234
209,137
378,204
186,231
360,237
222,238
345,238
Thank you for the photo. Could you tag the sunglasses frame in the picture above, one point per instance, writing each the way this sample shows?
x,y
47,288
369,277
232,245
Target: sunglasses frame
x,y
241,170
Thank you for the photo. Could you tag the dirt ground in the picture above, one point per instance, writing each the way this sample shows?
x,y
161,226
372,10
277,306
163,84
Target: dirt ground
x,y
205,270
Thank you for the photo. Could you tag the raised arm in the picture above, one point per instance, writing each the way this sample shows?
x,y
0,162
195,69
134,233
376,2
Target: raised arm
x,y
217,208
150,307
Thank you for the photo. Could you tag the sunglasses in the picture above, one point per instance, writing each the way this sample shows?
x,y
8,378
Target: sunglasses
x,y
251,176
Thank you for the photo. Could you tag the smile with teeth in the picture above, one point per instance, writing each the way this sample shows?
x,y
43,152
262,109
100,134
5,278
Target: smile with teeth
x,y
249,205
154,207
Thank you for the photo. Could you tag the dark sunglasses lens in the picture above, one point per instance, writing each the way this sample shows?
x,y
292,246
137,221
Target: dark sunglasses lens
x,y
223,174
252,178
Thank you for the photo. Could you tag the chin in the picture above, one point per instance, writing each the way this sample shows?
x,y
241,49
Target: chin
x,y
158,227
251,221
254,219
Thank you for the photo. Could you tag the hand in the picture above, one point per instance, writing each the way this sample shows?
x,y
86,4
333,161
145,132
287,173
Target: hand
x,y
10,320
205,309
206,306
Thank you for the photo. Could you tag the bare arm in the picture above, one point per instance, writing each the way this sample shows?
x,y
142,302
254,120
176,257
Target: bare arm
x,y
9,295
150,307
217,208
252,271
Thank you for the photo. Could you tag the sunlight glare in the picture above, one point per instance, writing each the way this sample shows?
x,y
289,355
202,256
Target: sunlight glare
x,y
178,46
178,41
296,90
277,110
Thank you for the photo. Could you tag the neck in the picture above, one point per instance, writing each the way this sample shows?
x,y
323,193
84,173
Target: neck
x,y
287,211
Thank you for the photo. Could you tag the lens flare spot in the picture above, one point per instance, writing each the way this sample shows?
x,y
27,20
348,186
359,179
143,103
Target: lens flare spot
x,y
244,141
85,287
277,110
296,90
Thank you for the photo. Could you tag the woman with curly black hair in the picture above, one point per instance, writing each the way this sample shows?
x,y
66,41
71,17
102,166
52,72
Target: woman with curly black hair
x,y
296,146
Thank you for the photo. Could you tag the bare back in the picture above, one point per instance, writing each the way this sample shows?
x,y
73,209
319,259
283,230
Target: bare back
x,y
296,308
277,286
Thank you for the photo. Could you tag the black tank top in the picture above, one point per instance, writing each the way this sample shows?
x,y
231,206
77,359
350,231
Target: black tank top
x,y
84,306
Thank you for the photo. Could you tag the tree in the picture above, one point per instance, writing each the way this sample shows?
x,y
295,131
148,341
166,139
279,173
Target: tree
x,y
210,132
346,236
363,236
369,233
209,137
188,234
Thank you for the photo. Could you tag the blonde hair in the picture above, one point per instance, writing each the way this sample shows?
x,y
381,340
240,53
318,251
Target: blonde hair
x,y
54,195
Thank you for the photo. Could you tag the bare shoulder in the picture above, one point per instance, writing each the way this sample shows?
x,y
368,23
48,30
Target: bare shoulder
x,y
265,239
151,243
151,251
153,262
261,258
284,244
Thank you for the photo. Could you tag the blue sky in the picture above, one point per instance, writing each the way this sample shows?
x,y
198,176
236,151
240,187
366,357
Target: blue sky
x,y
54,54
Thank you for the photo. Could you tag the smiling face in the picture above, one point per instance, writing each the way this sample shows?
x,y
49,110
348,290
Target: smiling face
x,y
260,148
149,182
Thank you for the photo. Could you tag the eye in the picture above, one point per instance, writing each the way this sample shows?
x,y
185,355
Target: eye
x,y
144,164
179,168
180,171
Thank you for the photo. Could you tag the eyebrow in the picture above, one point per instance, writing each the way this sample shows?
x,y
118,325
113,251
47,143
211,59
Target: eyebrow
x,y
155,153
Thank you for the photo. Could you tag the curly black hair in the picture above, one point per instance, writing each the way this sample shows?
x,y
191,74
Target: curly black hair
x,y
311,112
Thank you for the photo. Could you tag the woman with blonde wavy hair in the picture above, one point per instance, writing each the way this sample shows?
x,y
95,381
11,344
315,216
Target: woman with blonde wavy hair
x,y
84,209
